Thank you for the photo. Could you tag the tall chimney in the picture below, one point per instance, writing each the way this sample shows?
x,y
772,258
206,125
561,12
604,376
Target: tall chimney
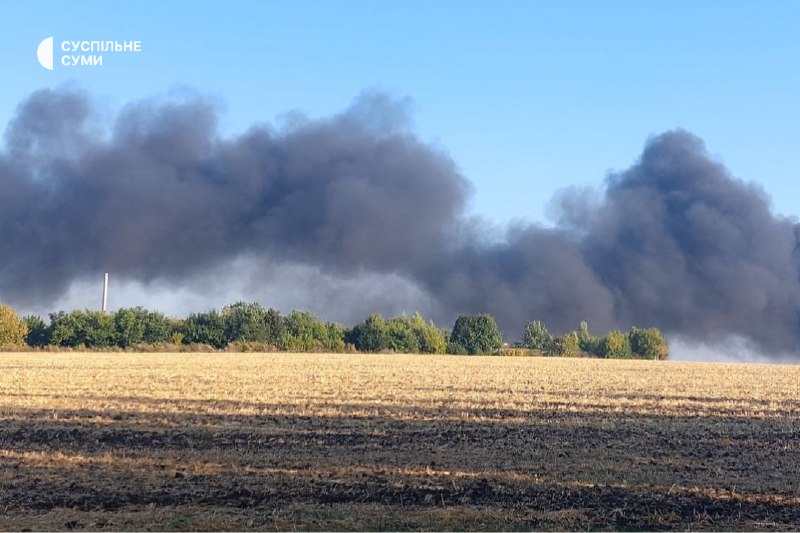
x,y
105,293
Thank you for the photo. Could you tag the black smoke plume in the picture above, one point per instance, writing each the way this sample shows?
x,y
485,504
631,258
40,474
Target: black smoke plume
x,y
673,242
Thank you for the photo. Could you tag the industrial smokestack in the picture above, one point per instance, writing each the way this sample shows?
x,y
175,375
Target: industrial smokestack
x,y
105,293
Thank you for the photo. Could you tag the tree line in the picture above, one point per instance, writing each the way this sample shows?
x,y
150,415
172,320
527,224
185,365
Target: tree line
x,y
244,326
639,343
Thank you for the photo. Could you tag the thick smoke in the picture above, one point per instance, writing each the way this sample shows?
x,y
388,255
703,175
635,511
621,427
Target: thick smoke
x,y
163,196
673,242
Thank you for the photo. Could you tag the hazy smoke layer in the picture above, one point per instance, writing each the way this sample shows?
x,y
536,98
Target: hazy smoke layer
x,y
674,242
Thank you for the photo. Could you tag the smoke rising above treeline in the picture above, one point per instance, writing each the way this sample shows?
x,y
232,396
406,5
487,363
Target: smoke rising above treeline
x,y
161,197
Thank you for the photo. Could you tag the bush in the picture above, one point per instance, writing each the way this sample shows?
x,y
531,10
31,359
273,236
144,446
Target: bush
x,y
477,334
648,343
334,338
615,345
303,332
89,329
566,346
518,351
134,326
431,338
401,334
536,337
246,322
38,332
204,328
372,335
401,337
586,341
157,328
455,348
275,326
12,329
249,346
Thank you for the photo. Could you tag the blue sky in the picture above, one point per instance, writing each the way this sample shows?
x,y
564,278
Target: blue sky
x,y
527,96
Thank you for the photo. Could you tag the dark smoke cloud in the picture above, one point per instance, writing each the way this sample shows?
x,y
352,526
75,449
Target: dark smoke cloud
x,y
685,246
674,242
160,198
165,197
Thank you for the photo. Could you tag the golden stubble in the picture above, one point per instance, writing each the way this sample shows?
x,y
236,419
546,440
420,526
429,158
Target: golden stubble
x,y
318,441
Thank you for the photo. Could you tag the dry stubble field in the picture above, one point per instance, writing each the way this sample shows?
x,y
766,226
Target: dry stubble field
x,y
285,441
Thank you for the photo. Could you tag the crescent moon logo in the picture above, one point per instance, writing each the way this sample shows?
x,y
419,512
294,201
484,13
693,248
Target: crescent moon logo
x,y
45,53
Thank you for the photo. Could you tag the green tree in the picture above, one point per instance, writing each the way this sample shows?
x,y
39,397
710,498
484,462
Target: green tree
x,y
63,330
246,322
567,345
536,337
90,329
648,343
303,332
38,332
99,329
129,325
298,334
136,325
587,341
478,334
455,348
333,337
615,345
402,336
12,329
275,326
176,331
157,328
431,339
205,328
372,335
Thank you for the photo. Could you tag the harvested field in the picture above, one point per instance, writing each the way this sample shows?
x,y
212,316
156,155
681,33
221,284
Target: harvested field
x,y
286,441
